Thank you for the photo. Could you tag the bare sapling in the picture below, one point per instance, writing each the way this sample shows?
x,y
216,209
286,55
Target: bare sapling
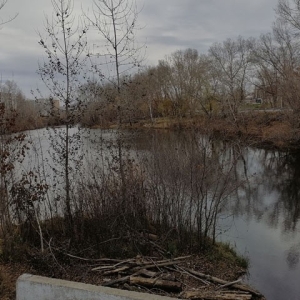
x,y
116,23
62,74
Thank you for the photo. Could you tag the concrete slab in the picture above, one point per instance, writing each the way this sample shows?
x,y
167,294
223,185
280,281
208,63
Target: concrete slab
x,y
32,287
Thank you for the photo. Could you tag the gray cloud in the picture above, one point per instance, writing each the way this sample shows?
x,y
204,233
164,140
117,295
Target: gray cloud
x,y
168,25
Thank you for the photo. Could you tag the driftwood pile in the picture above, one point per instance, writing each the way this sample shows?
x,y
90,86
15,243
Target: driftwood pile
x,y
170,277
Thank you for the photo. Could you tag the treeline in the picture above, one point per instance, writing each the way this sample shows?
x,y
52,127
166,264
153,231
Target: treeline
x,y
227,79
17,113
221,82
108,203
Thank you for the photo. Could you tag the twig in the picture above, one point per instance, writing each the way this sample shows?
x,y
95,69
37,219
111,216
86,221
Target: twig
x,y
119,280
228,284
49,244
161,263
155,265
191,275
91,259
220,281
114,266
114,239
121,269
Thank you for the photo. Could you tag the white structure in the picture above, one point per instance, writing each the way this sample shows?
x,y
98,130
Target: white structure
x,y
31,287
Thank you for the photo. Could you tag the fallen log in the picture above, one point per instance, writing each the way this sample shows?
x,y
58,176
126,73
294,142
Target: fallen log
x,y
113,267
123,279
156,265
117,281
121,269
136,265
172,286
148,273
203,295
240,287
228,284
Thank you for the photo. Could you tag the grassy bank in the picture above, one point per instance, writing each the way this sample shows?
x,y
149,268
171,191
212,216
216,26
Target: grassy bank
x,y
268,129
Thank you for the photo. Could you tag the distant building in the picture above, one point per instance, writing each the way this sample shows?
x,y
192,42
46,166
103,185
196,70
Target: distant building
x,y
251,99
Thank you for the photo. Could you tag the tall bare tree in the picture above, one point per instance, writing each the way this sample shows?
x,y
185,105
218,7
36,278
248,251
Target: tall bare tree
x,y
61,74
232,60
288,12
116,22
277,61
186,81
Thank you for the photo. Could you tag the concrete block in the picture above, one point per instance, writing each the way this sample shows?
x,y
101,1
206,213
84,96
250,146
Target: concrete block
x,y
32,287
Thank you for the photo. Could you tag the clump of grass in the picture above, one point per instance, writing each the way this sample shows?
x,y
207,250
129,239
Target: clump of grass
x,y
225,252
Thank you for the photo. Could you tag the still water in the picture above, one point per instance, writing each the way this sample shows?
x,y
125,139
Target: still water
x,y
262,220
265,223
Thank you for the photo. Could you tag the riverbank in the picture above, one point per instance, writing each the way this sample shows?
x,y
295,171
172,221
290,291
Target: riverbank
x,y
265,129
101,222
182,276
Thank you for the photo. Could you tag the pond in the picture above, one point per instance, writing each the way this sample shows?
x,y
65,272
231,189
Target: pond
x,y
265,223
262,219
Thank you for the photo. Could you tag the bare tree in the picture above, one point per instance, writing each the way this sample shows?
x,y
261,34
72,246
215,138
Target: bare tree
x,y
2,22
232,60
13,148
61,75
116,22
145,93
288,11
186,81
277,60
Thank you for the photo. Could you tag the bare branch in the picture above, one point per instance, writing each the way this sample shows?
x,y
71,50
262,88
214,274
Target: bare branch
x,y
2,22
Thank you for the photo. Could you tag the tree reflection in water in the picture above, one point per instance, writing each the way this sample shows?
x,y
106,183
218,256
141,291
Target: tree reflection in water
x,y
271,192
269,183
293,256
265,207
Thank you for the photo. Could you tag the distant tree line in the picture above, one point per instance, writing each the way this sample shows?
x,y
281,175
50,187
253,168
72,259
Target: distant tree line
x,y
183,84
186,83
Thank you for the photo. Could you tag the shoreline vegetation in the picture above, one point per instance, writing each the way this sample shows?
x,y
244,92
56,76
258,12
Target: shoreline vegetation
x,y
136,213
214,272
71,258
263,129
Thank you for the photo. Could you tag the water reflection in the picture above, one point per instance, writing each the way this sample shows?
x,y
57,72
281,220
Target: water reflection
x,y
261,217
293,256
272,188
265,210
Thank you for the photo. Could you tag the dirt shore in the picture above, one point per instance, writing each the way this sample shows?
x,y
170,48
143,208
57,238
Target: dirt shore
x,y
220,262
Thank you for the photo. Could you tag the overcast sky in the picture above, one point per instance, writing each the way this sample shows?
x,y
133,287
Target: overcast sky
x,y
168,25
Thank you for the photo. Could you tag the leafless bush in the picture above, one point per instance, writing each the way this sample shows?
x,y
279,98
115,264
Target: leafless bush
x,y
190,185
175,194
